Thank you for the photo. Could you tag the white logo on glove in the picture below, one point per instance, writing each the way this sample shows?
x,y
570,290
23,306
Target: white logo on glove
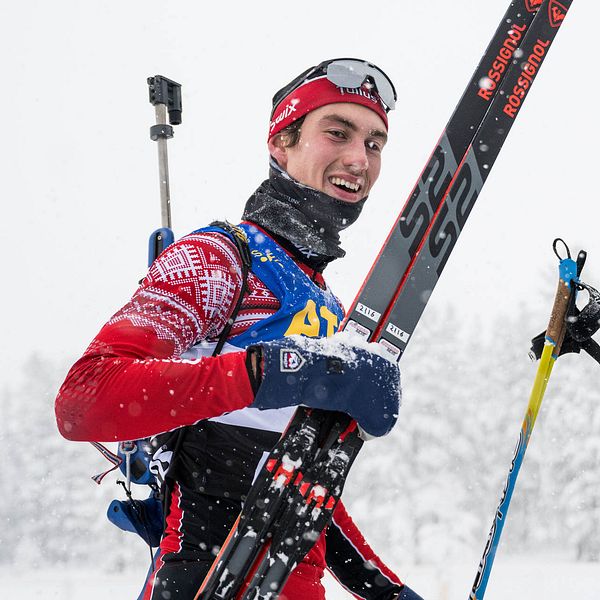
x,y
290,361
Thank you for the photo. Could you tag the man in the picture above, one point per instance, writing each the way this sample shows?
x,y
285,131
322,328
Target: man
x,y
196,351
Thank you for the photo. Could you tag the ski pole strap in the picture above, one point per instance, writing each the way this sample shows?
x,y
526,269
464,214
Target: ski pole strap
x,y
593,349
110,457
584,323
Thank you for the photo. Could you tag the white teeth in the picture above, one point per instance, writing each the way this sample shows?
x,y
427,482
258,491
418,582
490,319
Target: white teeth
x,y
339,181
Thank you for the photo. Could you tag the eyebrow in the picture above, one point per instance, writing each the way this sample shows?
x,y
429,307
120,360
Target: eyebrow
x,y
350,125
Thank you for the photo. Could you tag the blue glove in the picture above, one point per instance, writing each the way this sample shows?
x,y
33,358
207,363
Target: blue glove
x,y
333,374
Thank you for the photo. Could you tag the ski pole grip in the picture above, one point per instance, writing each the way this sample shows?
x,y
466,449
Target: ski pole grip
x,y
557,327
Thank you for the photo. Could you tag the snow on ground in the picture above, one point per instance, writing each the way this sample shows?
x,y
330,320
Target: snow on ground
x,y
514,578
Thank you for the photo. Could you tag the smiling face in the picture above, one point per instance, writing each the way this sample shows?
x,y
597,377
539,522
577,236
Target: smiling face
x,y
339,151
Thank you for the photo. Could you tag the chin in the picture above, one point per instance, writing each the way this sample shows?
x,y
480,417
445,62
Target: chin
x,y
348,200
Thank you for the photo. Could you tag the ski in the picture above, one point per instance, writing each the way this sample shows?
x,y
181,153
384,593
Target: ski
x,y
271,538
394,328
427,198
269,492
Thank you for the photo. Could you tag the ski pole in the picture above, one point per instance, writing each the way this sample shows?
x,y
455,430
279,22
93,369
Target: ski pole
x,y
569,271
165,96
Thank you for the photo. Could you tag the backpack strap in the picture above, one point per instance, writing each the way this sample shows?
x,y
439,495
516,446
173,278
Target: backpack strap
x,y
238,236
133,515
592,348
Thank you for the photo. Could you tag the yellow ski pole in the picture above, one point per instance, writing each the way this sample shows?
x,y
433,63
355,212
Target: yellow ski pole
x,y
569,271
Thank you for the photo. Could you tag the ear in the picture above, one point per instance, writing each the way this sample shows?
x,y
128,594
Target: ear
x,y
278,150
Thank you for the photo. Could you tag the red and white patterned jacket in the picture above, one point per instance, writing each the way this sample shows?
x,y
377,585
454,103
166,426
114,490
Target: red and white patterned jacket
x,y
131,382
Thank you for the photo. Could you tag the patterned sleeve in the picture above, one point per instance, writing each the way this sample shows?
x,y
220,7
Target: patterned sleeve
x,y
131,382
354,563
189,292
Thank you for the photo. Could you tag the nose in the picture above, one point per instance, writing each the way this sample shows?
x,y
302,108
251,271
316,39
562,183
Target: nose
x,y
355,158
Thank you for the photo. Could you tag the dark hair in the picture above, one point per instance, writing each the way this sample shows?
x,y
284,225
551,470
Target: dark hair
x,y
291,133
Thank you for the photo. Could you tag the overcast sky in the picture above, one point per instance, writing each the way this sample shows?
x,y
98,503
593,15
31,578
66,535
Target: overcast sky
x,y
80,179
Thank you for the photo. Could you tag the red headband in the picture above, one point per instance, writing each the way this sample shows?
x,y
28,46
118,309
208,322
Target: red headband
x,y
319,92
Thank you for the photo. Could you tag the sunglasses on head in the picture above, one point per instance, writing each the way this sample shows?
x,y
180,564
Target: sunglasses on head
x,y
350,73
